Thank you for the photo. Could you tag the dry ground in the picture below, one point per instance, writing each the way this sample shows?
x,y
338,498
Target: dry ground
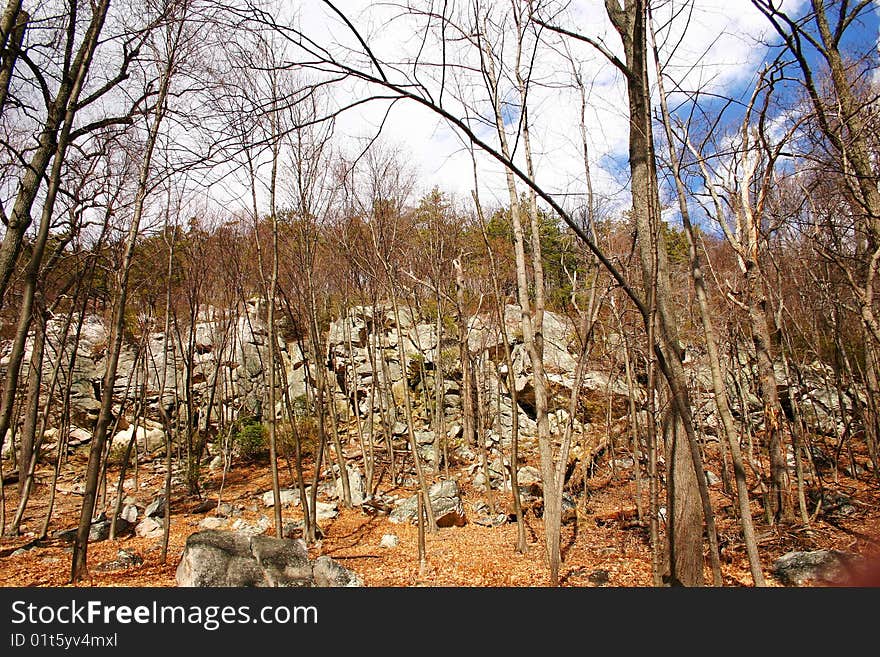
x,y
604,538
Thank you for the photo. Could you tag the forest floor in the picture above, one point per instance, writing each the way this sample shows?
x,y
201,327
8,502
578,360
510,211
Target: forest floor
x,y
605,546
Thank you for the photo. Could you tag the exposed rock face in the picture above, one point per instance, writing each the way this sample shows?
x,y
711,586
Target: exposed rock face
x,y
368,377
236,344
233,559
445,502
231,351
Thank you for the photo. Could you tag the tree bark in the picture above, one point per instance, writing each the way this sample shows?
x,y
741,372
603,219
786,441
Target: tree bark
x,y
60,111
99,437
719,388
685,486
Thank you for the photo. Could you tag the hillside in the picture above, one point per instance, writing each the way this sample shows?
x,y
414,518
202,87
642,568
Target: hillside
x,y
605,546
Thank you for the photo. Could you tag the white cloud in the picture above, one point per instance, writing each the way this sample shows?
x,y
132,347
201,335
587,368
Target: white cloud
x,y
718,45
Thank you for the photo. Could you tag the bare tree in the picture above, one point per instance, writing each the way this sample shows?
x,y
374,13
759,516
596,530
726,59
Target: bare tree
x,y
169,51
719,387
62,105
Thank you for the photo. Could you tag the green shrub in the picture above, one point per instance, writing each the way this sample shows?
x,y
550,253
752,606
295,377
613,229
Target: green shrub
x,y
250,438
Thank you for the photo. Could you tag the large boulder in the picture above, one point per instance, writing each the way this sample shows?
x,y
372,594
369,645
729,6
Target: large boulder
x,y
445,502
817,568
327,572
235,559
283,562
216,558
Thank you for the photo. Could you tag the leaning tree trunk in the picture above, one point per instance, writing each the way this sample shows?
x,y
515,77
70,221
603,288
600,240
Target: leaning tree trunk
x,y
12,28
99,437
532,340
719,389
61,111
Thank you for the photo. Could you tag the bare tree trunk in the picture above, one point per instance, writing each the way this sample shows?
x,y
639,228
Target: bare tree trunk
x,y
780,500
99,437
532,338
63,430
273,347
686,478
12,28
872,412
44,418
29,444
61,111
718,387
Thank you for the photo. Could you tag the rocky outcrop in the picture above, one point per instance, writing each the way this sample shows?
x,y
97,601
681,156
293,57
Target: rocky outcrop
x,y
232,559
370,378
445,502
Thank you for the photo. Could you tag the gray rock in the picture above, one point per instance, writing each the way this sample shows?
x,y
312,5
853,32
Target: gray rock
x,y
424,437
124,559
455,431
98,531
833,503
389,541
445,502
325,511
156,508
212,522
327,572
214,558
292,529
288,496
356,486
598,577
711,478
218,558
817,568
149,528
244,527
284,562
130,513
